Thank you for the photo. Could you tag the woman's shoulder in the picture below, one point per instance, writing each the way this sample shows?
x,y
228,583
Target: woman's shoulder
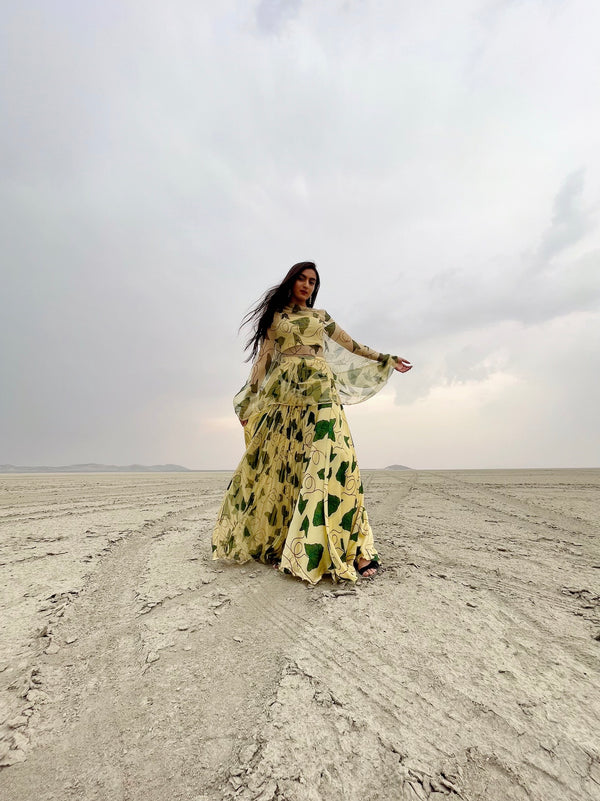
x,y
323,315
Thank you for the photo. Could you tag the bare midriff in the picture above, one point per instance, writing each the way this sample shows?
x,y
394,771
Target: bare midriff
x,y
302,350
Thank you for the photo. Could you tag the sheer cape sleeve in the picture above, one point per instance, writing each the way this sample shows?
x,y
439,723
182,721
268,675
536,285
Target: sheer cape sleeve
x,y
326,365
245,402
359,371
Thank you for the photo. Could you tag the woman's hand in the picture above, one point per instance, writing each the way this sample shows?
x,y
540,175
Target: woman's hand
x,y
403,365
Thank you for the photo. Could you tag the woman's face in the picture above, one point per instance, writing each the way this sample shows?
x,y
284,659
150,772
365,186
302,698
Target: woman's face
x,y
304,286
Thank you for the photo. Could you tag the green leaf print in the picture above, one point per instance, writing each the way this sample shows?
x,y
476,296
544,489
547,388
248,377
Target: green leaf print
x,y
314,551
319,515
322,429
302,323
341,473
304,526
333,503
302,504
316,392
252,459
246,531
321,473
348,519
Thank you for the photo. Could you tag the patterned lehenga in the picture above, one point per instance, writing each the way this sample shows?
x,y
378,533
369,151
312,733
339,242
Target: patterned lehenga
x,y
296,497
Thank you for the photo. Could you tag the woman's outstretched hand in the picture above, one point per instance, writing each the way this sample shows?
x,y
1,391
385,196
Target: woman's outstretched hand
x,y
403,365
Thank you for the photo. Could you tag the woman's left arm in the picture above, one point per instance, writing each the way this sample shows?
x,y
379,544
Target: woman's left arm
x,y
333,330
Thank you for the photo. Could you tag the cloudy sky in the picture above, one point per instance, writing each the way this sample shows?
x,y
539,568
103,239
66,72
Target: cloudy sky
x,y
162,164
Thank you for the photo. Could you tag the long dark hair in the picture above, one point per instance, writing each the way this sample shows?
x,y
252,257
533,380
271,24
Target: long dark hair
x,y
260,316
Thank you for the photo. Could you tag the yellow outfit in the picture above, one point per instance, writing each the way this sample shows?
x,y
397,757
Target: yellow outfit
x,y
296,496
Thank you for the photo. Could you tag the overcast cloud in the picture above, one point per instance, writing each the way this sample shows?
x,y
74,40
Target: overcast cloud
x,y
163,164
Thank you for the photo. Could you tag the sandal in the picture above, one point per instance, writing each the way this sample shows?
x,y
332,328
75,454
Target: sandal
x,y
372,565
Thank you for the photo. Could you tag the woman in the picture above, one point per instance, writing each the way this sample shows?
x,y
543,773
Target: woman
x,y
296,498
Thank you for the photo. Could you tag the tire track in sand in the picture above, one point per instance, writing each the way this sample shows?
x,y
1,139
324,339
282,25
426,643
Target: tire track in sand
x,y
278,692
113,719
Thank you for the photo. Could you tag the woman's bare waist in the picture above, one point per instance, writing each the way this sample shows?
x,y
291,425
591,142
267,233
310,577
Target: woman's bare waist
x,y
302,350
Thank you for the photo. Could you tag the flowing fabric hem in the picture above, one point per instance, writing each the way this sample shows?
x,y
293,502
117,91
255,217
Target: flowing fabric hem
x,y
297,497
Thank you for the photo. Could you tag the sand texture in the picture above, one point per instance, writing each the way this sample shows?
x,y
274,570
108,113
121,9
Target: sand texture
x,y
134,668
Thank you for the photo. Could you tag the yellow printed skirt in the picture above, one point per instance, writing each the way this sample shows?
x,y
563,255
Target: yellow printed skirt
x,y
296,497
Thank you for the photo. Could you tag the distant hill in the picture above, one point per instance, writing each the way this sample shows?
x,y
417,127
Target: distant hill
x,y
91,467
397,467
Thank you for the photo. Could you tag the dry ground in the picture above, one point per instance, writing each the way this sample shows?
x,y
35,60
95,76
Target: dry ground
x,y
132,667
